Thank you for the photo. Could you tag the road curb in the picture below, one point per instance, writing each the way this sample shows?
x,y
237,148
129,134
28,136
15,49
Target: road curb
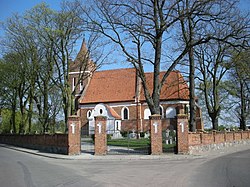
x,y
83,156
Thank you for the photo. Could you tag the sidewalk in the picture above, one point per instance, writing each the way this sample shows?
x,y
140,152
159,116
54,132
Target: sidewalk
x,y
85,156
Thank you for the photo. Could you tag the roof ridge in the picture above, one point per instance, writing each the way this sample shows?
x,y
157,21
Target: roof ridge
x,y
118,69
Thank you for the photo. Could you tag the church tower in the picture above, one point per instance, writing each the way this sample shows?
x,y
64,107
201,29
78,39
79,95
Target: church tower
x,y
80,71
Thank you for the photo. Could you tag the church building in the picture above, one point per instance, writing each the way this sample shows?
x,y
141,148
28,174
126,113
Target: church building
x,y
118,95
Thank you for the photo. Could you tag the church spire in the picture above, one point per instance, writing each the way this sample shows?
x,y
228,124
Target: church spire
x,y
83,53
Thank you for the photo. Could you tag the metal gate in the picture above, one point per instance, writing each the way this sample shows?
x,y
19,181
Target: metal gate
x,y
87,140
169,141
127,142
118,142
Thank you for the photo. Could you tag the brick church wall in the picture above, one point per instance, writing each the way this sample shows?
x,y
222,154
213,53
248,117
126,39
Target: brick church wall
x,y
132,123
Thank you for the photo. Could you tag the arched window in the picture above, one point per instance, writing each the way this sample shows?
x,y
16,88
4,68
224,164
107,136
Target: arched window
x,y
89,114
73,83
161,112
170,112
81,85
147,113
125,113
186,109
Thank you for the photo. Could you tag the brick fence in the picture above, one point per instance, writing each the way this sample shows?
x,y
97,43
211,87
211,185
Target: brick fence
x,y
69,144
202,141
57,143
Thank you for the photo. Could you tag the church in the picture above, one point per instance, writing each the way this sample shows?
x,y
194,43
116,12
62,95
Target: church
x,y
118,95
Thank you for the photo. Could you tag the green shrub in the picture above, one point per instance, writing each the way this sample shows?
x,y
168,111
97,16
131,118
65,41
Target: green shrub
x,y
142,134
93,137
124,134
108,136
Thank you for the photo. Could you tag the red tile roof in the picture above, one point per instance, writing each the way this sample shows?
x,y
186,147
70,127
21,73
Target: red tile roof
x,y
111,86
112,112
119,85
174,88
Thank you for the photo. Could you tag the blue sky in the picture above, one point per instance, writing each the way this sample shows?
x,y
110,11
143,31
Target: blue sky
x,y
8,7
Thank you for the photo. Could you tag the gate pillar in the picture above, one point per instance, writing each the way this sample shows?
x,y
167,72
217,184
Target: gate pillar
x,y
182,134
156,134
100,135
74,138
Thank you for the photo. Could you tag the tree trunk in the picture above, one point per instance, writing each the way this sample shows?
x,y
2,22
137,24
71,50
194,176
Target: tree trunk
x,y
243,108
45,107
215,119
215,123
192,91
13,116
30,112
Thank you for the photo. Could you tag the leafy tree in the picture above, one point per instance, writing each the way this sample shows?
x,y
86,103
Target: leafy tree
x,y
238,86
21,42
9,85
41,44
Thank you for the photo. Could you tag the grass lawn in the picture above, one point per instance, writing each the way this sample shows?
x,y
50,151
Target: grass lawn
x,y
137,143
132,143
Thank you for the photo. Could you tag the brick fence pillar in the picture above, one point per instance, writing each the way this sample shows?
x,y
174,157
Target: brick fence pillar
x,y
74,137
182,134
156,134
100,135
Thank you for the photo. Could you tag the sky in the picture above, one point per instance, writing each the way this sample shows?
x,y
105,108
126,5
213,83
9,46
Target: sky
x,y
9,7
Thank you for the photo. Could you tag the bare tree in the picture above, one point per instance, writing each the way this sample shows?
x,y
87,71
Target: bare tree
x,y
160,33
213,21
213,67
230,32
142,30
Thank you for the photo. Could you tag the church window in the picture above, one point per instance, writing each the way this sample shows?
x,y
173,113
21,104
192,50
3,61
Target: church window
x,y
161,112
117,125
147,113
81,85
170,112
186,109
73,83
101,111
89,114
125,113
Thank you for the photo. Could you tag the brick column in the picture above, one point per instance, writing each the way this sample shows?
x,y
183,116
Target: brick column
x,y
182,134
74,137
156,134
100,135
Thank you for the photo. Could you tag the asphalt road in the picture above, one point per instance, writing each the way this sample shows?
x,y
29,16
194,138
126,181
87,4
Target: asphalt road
x,y
23,169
